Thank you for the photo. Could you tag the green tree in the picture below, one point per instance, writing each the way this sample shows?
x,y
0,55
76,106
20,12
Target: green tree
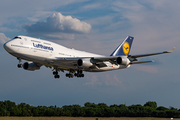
x,y
77,111
113,105
90,112
161,108
173,114
35,111
49,112
88,104
102,105
151,104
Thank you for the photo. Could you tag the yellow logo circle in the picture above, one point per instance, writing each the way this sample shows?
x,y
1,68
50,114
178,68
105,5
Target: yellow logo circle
x,y
126,48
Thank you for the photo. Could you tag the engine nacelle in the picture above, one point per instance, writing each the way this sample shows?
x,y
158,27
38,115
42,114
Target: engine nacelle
x,y
84,63
122,60
30,66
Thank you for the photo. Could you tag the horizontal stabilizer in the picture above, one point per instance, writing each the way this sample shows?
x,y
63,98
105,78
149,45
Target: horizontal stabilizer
x,y
141,62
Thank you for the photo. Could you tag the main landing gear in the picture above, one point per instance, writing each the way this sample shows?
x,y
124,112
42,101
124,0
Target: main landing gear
x,y
19,65
78,74
55,73
72,73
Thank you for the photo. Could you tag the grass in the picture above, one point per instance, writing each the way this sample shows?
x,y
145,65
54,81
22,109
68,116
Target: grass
x,y
83,118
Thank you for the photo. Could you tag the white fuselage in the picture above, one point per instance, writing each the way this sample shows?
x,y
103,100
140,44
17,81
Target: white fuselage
x,y
43,52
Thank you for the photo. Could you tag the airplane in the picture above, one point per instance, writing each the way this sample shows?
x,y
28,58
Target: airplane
x,y
59,58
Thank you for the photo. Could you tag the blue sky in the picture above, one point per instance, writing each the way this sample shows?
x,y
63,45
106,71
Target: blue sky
x,y
97,27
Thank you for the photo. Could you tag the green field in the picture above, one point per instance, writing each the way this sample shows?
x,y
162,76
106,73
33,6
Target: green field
x,y
82,118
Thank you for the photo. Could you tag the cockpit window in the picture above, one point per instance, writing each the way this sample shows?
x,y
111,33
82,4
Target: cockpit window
x,y
17,37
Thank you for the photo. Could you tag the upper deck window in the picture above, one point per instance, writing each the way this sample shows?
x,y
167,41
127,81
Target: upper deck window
x,y
35,41
17,37
47,43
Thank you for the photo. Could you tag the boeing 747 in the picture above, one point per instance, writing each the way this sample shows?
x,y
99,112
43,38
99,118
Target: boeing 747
x,y
59,58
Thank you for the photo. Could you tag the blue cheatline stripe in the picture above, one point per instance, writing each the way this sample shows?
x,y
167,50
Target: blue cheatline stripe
x,y
119,50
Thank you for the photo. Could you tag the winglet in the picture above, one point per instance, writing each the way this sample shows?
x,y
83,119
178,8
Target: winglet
x,y
170,51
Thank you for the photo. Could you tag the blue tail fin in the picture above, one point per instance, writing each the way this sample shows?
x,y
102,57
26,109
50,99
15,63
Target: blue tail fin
x,y
124,48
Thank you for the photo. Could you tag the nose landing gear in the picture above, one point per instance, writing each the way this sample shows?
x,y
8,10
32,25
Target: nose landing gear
x,y
19,65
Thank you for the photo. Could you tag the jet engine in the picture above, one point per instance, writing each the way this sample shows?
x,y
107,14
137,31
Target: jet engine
x,y
30,66
122,60
84,63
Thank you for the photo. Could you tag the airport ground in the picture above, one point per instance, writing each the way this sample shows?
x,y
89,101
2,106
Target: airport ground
x,y
84,118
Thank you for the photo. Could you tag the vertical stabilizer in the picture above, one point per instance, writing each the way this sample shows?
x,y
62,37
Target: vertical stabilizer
x,y
124,48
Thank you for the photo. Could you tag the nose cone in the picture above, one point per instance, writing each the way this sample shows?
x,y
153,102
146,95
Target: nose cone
x,y
7,46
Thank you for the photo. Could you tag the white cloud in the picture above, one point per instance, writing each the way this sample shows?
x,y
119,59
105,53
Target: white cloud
x,y
93,80
5,29
92,6
154,25
60,36
57,24
39,15
3,38
29,9
112,80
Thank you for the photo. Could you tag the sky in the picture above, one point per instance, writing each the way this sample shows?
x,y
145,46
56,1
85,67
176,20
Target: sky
x,y
97,27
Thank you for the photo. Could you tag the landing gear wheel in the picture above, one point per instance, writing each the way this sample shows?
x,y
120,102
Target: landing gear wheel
x,y
82,75
55,73
75,74
79,74
69,75
56,76
19,65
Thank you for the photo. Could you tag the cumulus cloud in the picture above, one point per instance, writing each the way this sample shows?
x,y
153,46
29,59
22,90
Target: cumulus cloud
x,y
57,24
3,38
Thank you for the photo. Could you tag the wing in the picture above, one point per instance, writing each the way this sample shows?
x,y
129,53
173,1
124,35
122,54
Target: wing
x,y
98,62
113,59
133,57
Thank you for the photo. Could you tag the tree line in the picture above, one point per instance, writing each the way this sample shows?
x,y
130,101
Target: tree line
x,y
149,109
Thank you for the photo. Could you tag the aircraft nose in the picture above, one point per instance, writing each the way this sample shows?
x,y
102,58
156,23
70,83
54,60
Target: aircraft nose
x,y
7,47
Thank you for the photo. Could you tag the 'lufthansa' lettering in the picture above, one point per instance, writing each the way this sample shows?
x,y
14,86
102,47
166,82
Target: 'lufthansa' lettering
x,y
43,46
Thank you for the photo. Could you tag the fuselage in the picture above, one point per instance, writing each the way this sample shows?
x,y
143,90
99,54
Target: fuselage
x,y
43,52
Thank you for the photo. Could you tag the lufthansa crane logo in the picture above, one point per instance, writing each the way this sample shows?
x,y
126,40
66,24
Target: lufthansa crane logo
x,y
126,48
